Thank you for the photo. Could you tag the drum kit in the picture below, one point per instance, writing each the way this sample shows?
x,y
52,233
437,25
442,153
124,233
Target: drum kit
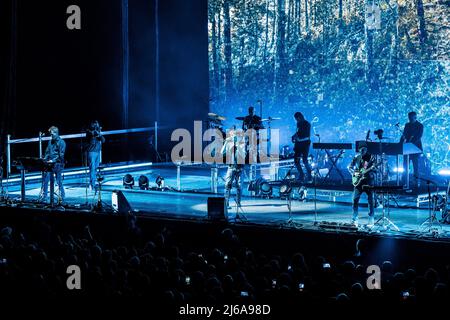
x,y
215,121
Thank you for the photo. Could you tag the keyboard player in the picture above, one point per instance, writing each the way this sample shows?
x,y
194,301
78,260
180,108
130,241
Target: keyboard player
x,y
412,132
54,154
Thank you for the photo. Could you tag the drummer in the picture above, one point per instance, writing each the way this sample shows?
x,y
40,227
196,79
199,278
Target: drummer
x,y
251,125
252,121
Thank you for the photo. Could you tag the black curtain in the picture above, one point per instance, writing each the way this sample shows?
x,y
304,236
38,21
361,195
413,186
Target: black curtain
x,y
8,20
56,76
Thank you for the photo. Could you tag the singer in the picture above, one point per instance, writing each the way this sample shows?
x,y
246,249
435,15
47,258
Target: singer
x,y
234,151
54,153
95,141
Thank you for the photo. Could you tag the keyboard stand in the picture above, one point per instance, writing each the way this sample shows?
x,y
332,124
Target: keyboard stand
x,y
334,160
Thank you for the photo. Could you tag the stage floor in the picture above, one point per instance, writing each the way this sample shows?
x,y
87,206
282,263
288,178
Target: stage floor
x,y
191,203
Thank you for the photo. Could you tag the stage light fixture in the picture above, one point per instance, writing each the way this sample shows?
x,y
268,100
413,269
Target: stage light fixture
x,y
285,190
302,193
160,182
285,152
143,182
128,181
265,188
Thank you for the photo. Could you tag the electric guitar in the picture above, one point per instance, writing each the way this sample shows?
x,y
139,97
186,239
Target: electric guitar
x,y
295,138
360,175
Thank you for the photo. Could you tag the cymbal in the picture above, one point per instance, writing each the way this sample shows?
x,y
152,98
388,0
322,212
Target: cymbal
x,y
216,116
270,119
240,118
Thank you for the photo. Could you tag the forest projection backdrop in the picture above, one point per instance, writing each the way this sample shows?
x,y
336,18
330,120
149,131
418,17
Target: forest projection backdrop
x,y
353,65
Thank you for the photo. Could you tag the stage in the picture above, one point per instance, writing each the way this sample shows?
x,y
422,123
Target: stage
x,y
187,189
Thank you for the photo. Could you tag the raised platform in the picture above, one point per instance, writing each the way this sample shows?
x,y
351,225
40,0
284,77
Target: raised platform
x,y
187,199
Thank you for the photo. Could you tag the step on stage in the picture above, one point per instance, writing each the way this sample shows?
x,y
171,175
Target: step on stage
x,y
187,190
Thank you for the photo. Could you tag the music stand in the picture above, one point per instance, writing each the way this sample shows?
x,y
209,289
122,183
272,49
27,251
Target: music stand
x,y
24,164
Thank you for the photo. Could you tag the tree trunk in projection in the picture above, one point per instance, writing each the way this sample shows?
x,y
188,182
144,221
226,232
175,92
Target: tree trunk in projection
x,y
422,27
341,15
325,25
215,62
299,17
274,26
280,51
256,34
219,50
266,32
369,48
227,51
242,58
306,17
395,43
288,24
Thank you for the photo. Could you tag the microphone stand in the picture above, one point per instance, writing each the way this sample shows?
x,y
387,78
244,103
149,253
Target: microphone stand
x,y
397,126
3,194
316,173
85,164
431,220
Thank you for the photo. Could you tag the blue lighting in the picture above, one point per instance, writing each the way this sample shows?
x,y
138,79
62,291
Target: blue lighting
x,y
444,172
344,80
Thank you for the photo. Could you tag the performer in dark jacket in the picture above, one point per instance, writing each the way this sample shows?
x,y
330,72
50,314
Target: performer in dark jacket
x,y
252,121
302,142
412,133
362,166
95,140
234,151
54,154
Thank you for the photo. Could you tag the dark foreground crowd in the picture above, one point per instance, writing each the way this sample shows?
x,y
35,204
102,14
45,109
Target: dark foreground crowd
x,y
225,271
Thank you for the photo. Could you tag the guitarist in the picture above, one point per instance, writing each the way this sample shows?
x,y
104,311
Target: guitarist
x,y
302,141
361,169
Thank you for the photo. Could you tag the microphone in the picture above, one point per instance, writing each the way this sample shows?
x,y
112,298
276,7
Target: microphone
x,y
397,124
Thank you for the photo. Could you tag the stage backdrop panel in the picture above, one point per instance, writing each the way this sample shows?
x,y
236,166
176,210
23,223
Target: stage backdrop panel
x,y
325,58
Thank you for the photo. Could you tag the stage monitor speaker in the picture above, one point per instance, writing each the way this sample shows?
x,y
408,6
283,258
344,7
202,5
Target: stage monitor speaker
x,y
119,203
217,209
